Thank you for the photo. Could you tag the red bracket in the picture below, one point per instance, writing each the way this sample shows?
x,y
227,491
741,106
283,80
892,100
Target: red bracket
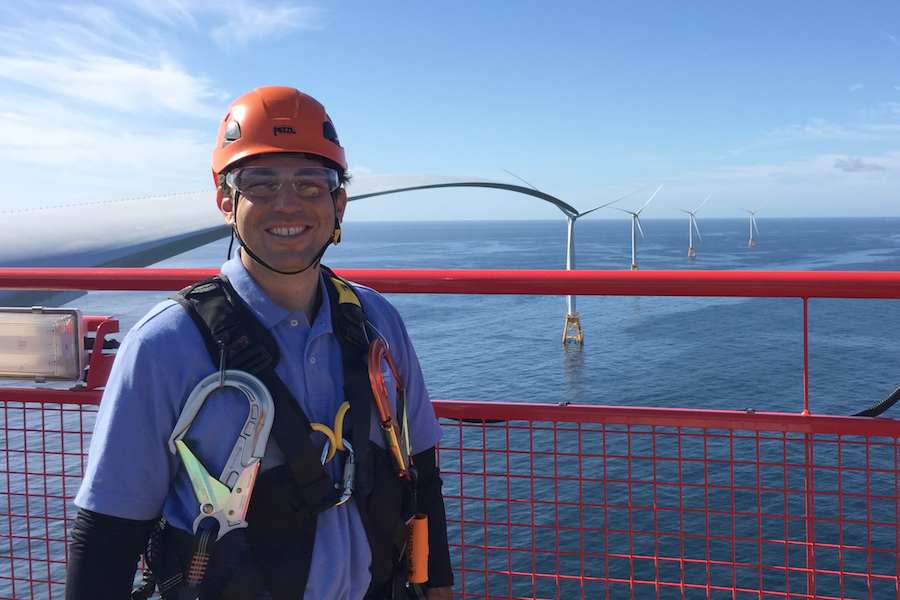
x,y
100,363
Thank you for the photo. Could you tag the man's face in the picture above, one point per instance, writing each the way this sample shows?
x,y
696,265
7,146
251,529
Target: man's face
x,y
287,229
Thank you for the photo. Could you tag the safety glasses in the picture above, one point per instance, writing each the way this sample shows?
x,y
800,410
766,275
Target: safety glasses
x,y
265,182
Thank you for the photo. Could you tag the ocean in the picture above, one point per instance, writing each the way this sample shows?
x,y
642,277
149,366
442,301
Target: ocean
x,y
721,353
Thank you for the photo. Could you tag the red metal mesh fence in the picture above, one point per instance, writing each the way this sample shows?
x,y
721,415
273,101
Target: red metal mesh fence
x,y
556,509
574,502
44,447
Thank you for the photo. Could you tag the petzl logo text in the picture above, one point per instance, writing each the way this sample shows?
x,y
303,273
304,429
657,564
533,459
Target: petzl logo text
x,y
282,130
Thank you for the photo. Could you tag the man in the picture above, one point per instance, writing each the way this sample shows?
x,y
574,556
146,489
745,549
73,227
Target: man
x,y
280,172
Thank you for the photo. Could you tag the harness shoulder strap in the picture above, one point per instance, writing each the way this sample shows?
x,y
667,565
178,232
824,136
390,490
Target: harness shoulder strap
x,y
348,319
228,326
383,496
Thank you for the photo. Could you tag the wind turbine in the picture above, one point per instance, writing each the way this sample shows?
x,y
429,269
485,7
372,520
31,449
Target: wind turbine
x,y
753,222
691,226
572,329
636,220
368,187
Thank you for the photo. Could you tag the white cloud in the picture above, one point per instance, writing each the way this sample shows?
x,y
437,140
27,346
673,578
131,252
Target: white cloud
x,y
110,59
248,21
171,12
70,30
361,171
90,93
49,132
893,38
852,164
113,82
855,86
60,152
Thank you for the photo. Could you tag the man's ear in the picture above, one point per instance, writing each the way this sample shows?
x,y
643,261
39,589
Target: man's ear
x,y
340,204
226,206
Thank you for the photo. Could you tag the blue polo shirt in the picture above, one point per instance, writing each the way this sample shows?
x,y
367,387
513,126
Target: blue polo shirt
x,y
132,474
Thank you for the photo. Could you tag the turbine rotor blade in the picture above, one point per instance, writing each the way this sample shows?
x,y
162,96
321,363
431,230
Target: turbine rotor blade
x,y
651,198
629,195
520,179
581,214
694,221
638,221
608,203
702,203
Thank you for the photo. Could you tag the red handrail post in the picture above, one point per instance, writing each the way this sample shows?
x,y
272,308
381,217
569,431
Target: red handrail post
x,y
806,355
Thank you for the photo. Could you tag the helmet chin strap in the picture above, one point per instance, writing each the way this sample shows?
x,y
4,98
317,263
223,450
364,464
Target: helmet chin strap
x,y
335,239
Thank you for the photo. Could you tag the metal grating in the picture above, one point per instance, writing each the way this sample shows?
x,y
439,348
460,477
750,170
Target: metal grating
x,y
544,505
584,510
44,447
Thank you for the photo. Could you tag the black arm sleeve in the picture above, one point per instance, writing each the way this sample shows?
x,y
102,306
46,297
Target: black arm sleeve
x,y
103,556
431,502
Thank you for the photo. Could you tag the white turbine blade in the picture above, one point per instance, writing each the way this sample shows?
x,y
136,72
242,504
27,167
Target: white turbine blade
x,y
520,179
648,201
682,210
697,229
608,203
753,223
638,221
760,206
702,203
629,195
624,211
581,214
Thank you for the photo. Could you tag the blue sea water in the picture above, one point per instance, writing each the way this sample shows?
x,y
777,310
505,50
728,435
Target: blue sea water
x,y
729,353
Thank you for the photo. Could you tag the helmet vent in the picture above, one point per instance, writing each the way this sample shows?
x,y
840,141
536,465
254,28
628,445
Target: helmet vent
x,y
233,131
330,133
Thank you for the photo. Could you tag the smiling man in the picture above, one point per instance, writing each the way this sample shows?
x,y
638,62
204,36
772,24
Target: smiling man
x,y
348,471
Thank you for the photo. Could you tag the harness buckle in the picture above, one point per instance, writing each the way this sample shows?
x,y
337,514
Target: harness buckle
x,y
335,441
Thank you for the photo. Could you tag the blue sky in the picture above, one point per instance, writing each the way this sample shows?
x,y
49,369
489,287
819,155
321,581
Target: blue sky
x,y
795,104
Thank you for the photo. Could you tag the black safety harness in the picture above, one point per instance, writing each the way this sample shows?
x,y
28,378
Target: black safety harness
x,y
275,550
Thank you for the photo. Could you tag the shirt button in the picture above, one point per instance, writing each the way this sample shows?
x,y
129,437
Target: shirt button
x,y
312,360
294,322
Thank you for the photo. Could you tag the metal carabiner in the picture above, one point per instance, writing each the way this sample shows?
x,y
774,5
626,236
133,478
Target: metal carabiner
x,y
396,438
335,441
349,479
227,498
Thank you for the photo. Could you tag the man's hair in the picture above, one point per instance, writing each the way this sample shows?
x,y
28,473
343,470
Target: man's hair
x,y
343,176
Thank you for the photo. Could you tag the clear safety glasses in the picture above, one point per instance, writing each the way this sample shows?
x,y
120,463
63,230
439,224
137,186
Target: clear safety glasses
x,y
265,182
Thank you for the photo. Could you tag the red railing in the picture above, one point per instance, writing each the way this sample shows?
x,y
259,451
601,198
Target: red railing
x,y
549,501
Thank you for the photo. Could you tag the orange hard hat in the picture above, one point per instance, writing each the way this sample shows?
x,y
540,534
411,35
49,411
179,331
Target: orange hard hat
x,y
275,119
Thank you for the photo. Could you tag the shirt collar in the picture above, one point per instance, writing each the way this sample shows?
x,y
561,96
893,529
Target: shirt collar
x,y
269,313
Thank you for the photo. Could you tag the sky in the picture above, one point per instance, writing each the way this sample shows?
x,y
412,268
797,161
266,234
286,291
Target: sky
x,y
789,107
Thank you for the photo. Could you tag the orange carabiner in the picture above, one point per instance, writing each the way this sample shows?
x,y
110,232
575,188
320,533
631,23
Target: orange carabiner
x,y
378,350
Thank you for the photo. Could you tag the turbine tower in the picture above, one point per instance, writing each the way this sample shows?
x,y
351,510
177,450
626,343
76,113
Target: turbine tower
x,y
572,331
753,222
636,220
692,224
